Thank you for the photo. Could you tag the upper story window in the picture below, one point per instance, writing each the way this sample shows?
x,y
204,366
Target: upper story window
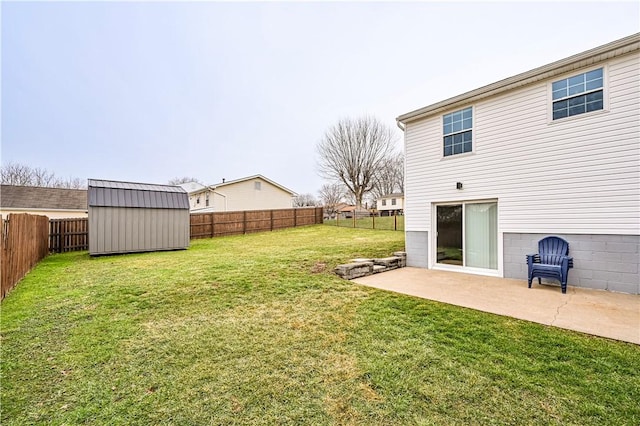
x,y
206,200
457,131
578,94
384,202
393,201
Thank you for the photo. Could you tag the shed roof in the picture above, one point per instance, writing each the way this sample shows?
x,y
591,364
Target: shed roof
x,y
33,197
109,193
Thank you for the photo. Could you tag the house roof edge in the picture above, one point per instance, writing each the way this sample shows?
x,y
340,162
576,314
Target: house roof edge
x,y
258,176
598,54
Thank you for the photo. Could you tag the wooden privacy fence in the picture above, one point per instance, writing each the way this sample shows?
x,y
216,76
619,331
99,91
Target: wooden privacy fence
x,y
208,225
68,235
26,239
23,244
72,234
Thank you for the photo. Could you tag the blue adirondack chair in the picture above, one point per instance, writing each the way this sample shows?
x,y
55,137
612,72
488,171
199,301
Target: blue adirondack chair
x,y
551,261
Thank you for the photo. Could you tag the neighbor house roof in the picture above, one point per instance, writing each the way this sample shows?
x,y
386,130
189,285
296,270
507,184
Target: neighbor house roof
x,y
231,182
32,197
344,207
192,186
593,56
109,193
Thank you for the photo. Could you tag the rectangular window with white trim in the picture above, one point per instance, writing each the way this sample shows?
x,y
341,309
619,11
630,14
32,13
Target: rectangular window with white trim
x,y
457,128
578,94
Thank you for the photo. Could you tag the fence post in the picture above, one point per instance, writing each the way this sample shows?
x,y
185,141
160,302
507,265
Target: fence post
x,y
395,222
354,218
52,239
373,221
271,219
62,239
212,221
244,222
295,217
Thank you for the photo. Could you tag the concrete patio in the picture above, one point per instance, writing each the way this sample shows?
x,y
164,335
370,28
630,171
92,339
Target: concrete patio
x,y
600,313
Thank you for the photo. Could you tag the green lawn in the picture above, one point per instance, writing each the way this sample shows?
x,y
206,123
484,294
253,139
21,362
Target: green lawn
x,y
256,329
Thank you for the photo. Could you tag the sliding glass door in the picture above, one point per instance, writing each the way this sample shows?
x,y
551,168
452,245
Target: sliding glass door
x,y
467,235
449,234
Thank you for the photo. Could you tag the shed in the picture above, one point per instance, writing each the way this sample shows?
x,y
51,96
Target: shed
x,y
126,217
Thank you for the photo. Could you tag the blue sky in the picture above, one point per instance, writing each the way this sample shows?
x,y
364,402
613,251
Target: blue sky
x,y
148,91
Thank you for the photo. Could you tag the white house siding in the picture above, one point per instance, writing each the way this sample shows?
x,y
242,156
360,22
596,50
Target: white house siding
x,y
579,175
51,214
218,202
242,195
389,206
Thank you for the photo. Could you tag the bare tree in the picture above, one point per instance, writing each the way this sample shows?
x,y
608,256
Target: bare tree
x,y
72,183
331,194
400,172
389,176
184,179
43,178
352,150
23,175
16,174
304,200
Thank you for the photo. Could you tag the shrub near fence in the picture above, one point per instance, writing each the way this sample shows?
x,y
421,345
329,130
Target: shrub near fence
x,y
23,244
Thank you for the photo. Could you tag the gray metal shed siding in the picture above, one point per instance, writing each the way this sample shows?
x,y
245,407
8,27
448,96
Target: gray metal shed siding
x,y
130,217
126,230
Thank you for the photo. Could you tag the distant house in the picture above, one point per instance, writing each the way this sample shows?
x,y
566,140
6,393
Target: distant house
x,y
346,211
552,151
390,205
331,211
56,203
127,217
249,193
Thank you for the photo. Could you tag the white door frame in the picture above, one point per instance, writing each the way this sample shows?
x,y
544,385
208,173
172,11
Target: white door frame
x,y
433,241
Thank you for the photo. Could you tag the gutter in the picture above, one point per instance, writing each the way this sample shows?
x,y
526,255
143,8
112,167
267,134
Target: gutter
x,y
602,53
